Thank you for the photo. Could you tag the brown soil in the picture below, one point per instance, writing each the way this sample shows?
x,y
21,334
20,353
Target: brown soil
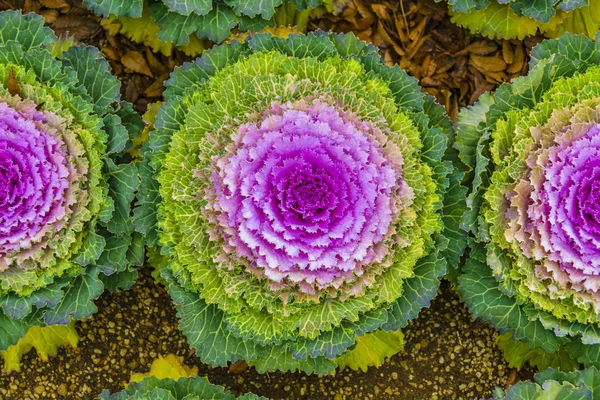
x,y
446,356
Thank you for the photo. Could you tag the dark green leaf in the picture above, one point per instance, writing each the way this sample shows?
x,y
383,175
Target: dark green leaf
x,y
93,72
78,302
123,181
120,8
28,31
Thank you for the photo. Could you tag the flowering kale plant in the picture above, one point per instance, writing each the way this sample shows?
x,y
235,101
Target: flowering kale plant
x,y
65,190
552,384
509,19
301,189
186,388
534,147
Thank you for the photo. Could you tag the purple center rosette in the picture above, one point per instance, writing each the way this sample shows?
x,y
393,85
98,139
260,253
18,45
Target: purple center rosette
x,y
306,195
34,177
565,213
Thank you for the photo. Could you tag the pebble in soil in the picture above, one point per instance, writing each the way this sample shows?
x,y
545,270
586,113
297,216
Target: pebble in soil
x,y
447,356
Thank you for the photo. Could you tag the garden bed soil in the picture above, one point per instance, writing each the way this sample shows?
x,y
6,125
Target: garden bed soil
x,y
447,356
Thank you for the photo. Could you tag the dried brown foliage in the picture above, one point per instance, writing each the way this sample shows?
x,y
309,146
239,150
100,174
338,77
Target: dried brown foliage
x,y
418,35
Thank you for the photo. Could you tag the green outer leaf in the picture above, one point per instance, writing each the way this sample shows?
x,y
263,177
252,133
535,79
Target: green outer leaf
x,y
251,8
217,24
28,30
519,353
329,344
144,215
485,300
130,119
193,388
11,330
137,251
45,66
553,384
120,8
124,181
372,350
418,292
114,256
117,134
186,7
284,361
256,24
93,72
18,307
122,280
450,172
92,248
78,302
203,326
541,10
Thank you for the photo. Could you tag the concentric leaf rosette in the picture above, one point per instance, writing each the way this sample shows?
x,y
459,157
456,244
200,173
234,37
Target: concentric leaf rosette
x,y
193,388
299,189
510,19
66,230
552,384
534,151
191,25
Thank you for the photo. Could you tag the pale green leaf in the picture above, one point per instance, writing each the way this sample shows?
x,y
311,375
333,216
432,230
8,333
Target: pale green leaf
x,y
46,341
371,350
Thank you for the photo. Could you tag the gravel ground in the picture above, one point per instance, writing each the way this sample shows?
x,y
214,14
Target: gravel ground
x,y
447,356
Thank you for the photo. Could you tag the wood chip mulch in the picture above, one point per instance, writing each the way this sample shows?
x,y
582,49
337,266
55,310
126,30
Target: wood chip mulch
x,y
450,63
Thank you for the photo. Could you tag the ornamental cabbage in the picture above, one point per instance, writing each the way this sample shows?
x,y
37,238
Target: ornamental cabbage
x,y
66,230
161,24
510,19
302,195
193,388
553,384
534,209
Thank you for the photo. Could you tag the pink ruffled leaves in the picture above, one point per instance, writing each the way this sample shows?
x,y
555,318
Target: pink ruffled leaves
x,y
557,219
307,196
34,178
